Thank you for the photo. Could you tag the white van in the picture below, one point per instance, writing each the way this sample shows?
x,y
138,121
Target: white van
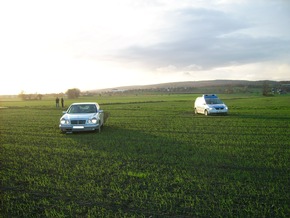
x,y
209,104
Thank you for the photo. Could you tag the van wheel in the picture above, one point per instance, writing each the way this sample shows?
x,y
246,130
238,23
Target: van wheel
x,y
205,112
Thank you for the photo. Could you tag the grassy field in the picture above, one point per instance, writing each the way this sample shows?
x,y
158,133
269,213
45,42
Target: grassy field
x,y
153,158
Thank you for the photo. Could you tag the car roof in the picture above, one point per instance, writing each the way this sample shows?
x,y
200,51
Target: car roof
x,y
78,103
209,96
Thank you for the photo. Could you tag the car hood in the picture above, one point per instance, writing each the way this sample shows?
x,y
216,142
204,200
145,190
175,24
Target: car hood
x,y
79,116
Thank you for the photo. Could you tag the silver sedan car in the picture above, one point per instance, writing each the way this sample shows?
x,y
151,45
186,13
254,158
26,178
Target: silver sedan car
x,y
85,116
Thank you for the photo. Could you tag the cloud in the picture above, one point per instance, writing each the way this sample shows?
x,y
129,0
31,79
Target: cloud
x,y
167,69
141,42
211,38
193,67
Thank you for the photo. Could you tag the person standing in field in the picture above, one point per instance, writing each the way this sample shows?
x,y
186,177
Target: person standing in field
x,y
57,102
62,102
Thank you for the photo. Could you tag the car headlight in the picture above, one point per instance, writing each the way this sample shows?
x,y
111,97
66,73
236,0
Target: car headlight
x,y
93,120
64,121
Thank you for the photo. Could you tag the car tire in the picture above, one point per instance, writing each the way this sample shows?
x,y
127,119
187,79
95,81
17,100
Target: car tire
x,y
205,112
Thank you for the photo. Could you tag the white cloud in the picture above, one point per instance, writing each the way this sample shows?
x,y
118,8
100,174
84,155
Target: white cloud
x,y
193,67
167,69
136,42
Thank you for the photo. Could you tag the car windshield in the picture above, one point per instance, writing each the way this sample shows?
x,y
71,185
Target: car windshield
x,y
83,108
213,101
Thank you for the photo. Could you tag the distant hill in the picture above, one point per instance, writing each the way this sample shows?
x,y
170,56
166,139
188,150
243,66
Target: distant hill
x,y
199,86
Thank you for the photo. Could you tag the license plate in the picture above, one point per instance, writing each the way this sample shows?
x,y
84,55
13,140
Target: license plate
x,y
78,127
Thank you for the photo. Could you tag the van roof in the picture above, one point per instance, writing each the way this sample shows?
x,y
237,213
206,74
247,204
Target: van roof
x,y
209,96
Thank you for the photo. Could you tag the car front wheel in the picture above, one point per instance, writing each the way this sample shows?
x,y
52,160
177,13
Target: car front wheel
x,y
205,112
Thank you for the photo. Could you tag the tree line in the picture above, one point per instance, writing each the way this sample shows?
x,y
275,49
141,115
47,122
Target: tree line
x,y
70,93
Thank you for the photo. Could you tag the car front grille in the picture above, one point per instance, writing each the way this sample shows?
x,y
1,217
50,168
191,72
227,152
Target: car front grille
x,y
219,108
78,121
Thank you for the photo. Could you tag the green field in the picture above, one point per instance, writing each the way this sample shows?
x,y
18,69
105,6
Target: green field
x,y
153,158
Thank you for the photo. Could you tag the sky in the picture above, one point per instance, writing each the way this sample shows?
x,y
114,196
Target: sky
x,y
52,46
